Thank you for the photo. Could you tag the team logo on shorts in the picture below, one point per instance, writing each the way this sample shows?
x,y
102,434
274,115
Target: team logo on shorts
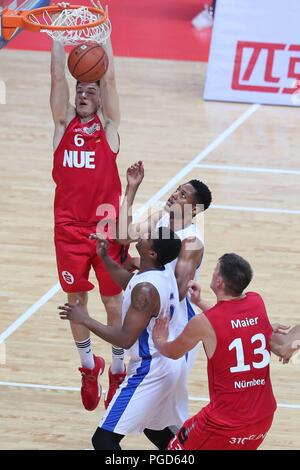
x,y
67,277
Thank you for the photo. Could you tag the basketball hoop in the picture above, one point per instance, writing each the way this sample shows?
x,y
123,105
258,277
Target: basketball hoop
x,y
72,25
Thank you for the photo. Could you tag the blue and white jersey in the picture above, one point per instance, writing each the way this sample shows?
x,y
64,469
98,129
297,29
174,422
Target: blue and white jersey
x,y
187,309
165,283
154,394
189,231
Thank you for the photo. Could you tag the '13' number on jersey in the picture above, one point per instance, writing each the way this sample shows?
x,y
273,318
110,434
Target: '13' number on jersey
x,y
261,350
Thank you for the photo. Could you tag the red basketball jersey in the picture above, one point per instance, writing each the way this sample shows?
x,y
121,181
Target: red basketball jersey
x,y
86,175
238,373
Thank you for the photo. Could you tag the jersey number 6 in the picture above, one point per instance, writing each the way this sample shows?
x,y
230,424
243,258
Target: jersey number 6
x,y
78,140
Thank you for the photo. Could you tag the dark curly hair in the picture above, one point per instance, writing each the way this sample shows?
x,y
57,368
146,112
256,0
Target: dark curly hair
x,y
203,194
167,246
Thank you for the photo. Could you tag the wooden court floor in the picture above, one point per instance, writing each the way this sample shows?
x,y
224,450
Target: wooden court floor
x,y
253,172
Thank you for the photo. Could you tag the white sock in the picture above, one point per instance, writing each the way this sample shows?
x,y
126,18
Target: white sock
x,y
86,353
117,364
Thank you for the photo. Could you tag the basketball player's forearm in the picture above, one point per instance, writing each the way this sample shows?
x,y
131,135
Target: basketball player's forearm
x,y
58,60
170,349
276,344
192,333
130,193
203,305
109,51
109,93
120,275
285,345
125,226
183,277
189,259
185,342
110,334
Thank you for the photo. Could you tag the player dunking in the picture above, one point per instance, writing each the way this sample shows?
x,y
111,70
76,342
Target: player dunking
x,y
86,144
235,333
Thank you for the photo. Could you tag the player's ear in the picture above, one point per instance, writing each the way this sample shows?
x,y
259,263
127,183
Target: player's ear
x,y
220,282
194,210
152,254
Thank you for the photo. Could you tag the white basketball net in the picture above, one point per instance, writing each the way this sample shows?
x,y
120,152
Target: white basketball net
x,y
75,17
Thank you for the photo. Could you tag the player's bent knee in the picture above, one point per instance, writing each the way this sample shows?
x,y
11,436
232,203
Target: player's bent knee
x,y
113,301
113,307
106,440
81,296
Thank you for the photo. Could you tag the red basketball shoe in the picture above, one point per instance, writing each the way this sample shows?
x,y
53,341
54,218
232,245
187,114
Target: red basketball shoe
x,y
115,381
90,379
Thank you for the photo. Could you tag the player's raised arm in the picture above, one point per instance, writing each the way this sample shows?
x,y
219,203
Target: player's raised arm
x,y
110,105
189,259
120,275
62,111
128,231
196,297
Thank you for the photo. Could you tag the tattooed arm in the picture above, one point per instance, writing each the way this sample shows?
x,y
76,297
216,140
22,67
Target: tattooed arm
x,y
145,304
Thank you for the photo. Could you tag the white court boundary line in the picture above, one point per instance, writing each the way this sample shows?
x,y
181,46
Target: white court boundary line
x,y
41,386
29,312
280,405
272,210
279,171
210,148
171,183
77,389
255,209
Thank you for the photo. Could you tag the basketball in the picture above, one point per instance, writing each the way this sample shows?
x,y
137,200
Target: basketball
x,y
87,62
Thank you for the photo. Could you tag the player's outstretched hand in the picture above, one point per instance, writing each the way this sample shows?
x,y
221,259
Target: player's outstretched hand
x,y
160,331
63,5
101,247
135,174
281,329
98,4
75,313
292,352
194,292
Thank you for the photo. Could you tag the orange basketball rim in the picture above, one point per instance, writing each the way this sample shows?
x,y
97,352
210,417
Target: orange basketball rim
x,y
39,19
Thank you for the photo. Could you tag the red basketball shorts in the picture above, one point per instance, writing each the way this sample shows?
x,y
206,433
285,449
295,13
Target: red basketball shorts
x,y
194,435
76,254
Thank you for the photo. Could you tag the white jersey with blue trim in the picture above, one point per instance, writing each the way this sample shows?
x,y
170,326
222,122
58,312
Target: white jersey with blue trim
x,y
189,231
165,283
154,393
187,310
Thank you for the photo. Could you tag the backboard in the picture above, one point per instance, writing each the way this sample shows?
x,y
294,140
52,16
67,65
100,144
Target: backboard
x,y
19,5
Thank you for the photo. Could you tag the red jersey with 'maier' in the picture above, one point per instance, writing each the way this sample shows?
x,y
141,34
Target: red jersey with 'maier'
x,y
85,173
238,372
